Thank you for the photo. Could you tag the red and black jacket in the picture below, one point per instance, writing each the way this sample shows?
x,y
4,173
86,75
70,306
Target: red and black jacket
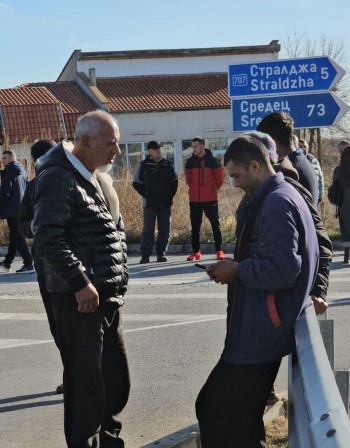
x,y
204,176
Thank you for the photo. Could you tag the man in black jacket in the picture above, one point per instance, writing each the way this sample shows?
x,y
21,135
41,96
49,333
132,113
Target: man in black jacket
x,y
155,180
78,231
25,227
280,126
13,184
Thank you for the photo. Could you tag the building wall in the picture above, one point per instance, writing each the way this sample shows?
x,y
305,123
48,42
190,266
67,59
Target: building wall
x,y
110,68
175,127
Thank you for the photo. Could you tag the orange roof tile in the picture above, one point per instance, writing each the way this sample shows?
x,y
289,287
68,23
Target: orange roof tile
x,y
174,92
21,96
29,113
30,122
71,96
74,102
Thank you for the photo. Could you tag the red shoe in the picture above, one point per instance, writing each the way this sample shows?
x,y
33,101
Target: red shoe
x,y
195,256
220,255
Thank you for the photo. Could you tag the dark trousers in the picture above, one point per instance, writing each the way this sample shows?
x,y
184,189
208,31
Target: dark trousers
x,y
163,217
17,243
96,376
46,297
231,404
211,211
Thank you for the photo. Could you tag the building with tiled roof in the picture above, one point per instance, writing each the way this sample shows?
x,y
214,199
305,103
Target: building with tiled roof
x,y
74,102
165,95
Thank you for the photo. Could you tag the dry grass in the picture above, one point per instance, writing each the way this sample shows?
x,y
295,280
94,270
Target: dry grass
x,y
277,433
131,207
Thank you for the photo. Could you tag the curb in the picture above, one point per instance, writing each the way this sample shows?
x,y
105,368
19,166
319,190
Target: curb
x,y
186,248
190,437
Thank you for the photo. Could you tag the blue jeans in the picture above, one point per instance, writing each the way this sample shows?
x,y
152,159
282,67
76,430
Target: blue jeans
x,y
163,217
96,376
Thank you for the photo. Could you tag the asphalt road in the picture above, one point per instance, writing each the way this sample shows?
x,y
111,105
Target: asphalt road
x,y
174,324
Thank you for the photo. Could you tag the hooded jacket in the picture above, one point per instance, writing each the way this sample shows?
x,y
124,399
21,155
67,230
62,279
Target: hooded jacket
x,y
204,176
13,184
78,229
278,260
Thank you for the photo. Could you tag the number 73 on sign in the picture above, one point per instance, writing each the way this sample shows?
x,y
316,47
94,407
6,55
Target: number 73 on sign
x,y
312,110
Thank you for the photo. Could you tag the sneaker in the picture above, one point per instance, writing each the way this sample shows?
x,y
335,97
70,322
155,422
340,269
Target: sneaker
x,y
59,389
144,260
162,259
220,255
195,256
4,267
26,270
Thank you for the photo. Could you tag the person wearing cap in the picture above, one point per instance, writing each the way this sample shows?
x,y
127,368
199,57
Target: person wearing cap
x,y
156,181
204,177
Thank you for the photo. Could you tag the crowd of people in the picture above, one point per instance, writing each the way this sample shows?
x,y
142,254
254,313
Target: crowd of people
x,y
280,265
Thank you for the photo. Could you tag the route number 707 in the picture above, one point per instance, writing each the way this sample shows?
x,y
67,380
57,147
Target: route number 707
x,y
318,109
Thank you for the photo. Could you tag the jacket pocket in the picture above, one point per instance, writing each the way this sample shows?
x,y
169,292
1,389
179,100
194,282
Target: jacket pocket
x,y
271,306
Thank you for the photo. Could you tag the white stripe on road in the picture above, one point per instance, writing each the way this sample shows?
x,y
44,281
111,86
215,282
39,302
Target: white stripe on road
x,y
153,327
12,343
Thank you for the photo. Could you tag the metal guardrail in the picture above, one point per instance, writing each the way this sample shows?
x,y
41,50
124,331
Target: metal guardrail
x,y
317,416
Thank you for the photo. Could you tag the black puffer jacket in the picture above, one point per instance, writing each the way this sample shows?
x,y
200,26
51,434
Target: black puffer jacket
x,y
13,184
156,182
74,231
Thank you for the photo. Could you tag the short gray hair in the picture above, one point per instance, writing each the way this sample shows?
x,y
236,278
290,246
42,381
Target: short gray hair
x,y
90,124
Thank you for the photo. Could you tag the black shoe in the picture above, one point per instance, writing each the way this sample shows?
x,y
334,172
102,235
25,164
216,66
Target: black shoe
x,y
29,269
162,259
59,389
4,267
273,398
144,260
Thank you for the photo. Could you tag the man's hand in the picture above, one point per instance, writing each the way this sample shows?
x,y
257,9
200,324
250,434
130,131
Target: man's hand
x,y
223,272
87,299
319,304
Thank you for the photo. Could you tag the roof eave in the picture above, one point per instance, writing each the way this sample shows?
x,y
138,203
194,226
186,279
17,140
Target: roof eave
x,y
272,47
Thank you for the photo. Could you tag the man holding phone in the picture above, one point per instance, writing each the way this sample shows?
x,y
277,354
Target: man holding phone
x,y
270,287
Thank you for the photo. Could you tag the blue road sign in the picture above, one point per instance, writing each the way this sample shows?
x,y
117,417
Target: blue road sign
x,y
283,76
314,110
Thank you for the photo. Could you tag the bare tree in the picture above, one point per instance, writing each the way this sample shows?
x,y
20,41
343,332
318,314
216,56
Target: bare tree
x,y
300,45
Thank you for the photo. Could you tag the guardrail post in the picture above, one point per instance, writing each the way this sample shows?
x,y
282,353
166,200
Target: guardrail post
x,y
325,421
342,378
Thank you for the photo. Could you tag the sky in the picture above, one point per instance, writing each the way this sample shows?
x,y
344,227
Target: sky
x,y
37,37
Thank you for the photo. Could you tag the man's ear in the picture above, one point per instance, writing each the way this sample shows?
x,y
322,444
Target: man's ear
x,y
255,165
86,141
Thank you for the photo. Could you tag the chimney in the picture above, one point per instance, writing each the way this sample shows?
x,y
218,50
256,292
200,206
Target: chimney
x,y
92,76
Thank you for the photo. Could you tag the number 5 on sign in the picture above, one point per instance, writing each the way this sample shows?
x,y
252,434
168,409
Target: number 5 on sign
x,y
318,109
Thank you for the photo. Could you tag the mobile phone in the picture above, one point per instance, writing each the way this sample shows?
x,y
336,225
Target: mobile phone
x,y
200,266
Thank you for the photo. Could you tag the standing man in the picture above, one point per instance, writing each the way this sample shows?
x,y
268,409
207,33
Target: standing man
x,y
303,144
155,180
271,277
78,231
25,226
280,126
204,177
13,184
340,147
